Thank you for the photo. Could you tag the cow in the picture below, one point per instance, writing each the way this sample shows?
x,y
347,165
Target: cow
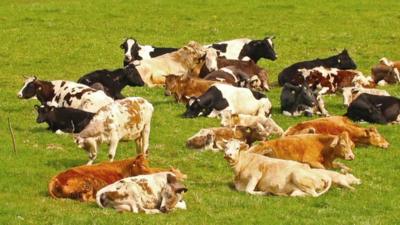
x,y
112,82
152,193
335,125
236,77
374,109
259,76
386,72
221,97
134,51
211,138
63,119
260,175
330,80
83,182
61,93
267,123
296,100
351,93
125,119
317,150
292,74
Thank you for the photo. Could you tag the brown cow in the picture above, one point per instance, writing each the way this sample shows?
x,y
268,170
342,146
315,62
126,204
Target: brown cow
x,y
236,77
83,182
335,125
317,150
386,72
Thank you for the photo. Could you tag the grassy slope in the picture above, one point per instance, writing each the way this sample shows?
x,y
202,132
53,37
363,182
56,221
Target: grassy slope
x,y
63,40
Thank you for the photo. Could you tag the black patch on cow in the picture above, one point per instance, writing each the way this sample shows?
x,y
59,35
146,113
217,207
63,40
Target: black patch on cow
x,y
220,47
211,99
68,97
257,49
161,51
62,84
57,99
258,95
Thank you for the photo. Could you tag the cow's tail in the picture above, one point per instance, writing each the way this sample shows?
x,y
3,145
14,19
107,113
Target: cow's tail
x,y
54,187
328,184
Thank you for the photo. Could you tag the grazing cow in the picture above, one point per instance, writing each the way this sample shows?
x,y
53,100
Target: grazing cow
x,y
211,138
341,180
317,150
374,109
63,119
260,175
386,72
185,87
335,125
112,82
351,93
83,182
292,74
134,51
259,76
60,93
153,193
246,49
126,119
330,80
221,97
236,77
268,124
296,100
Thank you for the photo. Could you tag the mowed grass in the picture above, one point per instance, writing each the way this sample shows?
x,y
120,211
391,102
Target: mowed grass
x,y
66,39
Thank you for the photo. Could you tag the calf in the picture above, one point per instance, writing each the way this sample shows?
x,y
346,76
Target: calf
x,y
185,87
112,82
211,138
375,109
126,119
154,193
260,175
292,74
386,72
221,97
234,76
317,150
351,93
60,93
296,100
335,125
63,119
83,182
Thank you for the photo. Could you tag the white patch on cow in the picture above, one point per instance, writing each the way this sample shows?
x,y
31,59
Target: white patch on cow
x,y
270,42
385,61
233,47
382,83
27,81
360,80
211,59
246,58
145,51
396,72
130,43
230,72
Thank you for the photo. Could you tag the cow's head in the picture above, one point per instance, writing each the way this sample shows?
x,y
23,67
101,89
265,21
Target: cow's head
x,y
271,127
193,108
131,50
139,166
257,49
373,137
133,76
305,96
171,84
343,146
201,140
43,112
172,195
119,199
211,59
29,89
232,149
344,61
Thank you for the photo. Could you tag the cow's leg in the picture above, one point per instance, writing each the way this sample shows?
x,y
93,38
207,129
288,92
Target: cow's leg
x,y
113,147
317,165
344,169
145,136
298,193
92,153
321,106
252,183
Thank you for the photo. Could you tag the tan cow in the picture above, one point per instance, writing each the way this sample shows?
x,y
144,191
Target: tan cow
x,y
317,150
335,125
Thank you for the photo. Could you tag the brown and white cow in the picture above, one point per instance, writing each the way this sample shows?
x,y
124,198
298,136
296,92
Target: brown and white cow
x,y
335,125
153,193
83,182
386,72
125,119
351,93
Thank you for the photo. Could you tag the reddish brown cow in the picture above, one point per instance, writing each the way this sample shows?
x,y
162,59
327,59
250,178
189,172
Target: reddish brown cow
x,y
386,72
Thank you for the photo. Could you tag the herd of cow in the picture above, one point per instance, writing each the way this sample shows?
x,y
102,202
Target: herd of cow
x,y
217,80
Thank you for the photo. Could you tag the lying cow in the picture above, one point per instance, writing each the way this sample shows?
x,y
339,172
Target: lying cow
x,y
335,125
268,124
296,100
351,93
155,193
126,119
375,109
292,74
386,72
221,97
83,182
317,150
112,82
236,77
63,119
185,87
212,138
260,175
61,93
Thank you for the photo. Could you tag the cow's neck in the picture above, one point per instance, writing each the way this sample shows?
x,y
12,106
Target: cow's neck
x,y
46,92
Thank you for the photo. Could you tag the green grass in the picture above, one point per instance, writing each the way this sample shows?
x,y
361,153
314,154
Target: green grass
x,y
66,39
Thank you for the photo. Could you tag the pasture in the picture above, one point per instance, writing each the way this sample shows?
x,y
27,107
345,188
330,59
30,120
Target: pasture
x,y
66,39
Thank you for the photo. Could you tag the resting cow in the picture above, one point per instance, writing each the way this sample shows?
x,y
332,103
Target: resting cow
x,y
386,72
351,93
236,77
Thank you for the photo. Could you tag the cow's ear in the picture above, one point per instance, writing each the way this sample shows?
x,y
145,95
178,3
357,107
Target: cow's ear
x,y
335,141
243,146
171,178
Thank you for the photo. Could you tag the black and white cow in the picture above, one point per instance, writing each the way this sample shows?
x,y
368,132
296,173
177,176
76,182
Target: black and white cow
x,y
61,93
296,100
112,82
235,76
293,75
374,109
63,119
221,97
134,51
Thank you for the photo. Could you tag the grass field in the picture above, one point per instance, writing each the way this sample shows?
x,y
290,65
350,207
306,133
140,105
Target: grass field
x,y
66,39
